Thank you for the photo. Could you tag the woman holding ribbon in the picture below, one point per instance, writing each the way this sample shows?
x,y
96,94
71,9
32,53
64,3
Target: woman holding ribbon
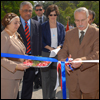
x,y
53,34
12,69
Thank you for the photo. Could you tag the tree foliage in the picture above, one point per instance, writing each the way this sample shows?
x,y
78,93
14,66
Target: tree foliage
x,y
66,8
91,5
10,6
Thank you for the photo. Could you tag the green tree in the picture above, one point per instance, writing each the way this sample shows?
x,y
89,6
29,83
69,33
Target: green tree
x,y
91,5
64,4
66,9
11,6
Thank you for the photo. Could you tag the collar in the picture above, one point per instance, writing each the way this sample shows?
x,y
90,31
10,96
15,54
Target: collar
x,y
23,21
39,17
84,29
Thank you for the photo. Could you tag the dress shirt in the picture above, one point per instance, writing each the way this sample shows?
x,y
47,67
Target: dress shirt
x,y
83,30
28,23
39,18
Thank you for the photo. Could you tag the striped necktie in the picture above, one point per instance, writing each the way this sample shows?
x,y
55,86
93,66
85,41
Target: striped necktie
x,y
27,34
82,35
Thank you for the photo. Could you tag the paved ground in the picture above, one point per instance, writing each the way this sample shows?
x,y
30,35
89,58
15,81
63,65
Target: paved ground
x,y
37,93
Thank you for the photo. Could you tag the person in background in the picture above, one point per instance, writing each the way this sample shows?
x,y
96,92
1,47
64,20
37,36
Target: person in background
x,y
31,35
71,26
12,69
82,43
53,34
91,18
41,18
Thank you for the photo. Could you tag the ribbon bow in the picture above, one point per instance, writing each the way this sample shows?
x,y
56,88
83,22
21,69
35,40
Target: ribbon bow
x,y
61,66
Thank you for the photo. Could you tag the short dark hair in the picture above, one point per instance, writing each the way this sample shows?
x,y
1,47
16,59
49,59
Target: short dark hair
x,y
92,12
52,8
39,5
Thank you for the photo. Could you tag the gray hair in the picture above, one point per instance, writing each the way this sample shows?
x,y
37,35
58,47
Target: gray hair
x,y
81,9
25,3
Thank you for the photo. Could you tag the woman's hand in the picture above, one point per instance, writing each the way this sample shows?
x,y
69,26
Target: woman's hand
x,y
49,48
21,67
59,46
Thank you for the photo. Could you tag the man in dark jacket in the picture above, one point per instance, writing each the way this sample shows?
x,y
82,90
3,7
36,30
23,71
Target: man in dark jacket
x,y
41,18
32,28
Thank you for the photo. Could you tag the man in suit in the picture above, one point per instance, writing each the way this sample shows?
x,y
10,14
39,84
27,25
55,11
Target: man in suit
x,y
91,18
32,28
82,43
41,18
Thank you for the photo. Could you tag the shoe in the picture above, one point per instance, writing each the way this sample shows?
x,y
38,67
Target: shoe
x,y
36,86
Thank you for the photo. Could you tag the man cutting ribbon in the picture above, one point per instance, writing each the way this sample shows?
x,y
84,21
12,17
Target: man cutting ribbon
x,y
60,65
82,43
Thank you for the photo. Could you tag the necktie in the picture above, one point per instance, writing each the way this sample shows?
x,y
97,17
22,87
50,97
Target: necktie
x,y
27,34
40,20
82,35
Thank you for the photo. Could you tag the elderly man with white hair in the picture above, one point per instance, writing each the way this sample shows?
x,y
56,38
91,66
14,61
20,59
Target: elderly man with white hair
x,y
82,43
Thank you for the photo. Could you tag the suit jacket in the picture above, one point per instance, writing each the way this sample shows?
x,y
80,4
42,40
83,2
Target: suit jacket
x,y
87,75
13,46
35,37
44,18
46,35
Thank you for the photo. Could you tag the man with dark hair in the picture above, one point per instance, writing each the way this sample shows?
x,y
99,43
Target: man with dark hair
x,y
41,18
91,18
39,12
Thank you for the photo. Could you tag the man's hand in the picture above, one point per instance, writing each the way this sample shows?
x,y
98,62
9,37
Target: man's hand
x,y
68,69
76,64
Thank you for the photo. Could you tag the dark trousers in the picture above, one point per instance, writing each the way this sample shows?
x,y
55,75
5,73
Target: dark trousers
x,y
49,77
28,79
38,80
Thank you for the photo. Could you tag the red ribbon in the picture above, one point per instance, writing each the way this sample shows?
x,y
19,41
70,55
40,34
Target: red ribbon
x,y
59,67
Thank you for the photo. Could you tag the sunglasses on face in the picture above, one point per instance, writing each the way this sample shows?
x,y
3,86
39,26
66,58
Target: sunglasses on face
x,y
38,9
53,15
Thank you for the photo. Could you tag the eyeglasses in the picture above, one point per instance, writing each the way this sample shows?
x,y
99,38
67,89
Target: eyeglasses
x,y
53,15
77,21
38,9
25,11
17,23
